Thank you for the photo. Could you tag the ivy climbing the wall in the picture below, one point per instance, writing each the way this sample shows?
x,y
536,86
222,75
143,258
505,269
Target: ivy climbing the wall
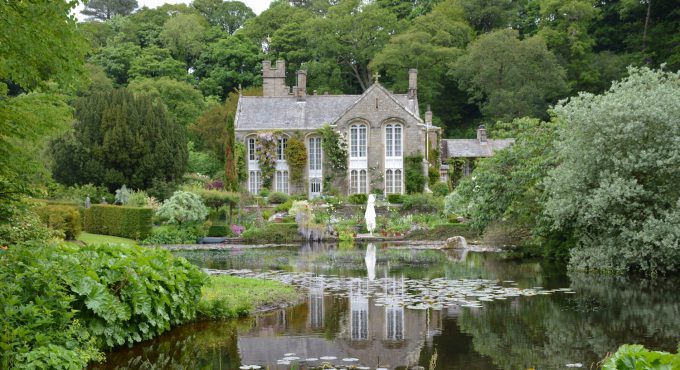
x,y
266,150
334,150
296,155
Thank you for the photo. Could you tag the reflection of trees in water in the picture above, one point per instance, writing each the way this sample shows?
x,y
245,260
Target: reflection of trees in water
x,y
552,331
208,345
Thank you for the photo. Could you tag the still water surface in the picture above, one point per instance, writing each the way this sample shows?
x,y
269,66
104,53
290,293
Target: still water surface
x,y
547,331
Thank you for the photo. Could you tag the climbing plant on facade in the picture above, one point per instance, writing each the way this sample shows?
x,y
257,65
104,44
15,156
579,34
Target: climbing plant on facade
x,y
266,151
334,149
296,155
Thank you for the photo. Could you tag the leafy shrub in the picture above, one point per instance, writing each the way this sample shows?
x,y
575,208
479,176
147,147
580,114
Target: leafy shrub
x,y
432,175
24,227
423,203
65,219
128,222
273,233
358,199
67,302
219,230
162,190
413,172
123,195
440,189
174,234
277,198
218,198
284,207
138,198
215,185
182,207
636,356
395,198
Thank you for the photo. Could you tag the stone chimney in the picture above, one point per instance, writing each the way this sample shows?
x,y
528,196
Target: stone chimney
x,y
412,83
481,134
274,79
301,89
428,116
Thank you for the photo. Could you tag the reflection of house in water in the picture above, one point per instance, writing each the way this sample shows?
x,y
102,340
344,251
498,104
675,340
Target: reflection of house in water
x,y
315,301
387,335
358,306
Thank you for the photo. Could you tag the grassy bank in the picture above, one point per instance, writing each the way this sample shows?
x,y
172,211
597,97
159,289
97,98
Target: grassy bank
x,y
225,297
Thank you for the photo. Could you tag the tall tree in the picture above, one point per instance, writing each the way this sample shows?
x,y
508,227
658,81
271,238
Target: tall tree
x,y
41,57
105,9
510,78
182,101
183,35
351,34
120,139
229,16
615,188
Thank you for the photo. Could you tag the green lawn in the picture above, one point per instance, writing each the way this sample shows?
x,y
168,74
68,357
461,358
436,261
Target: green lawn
x,y
226,296
88,238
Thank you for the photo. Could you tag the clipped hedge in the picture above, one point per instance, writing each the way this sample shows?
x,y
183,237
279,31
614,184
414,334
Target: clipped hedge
x,y
128,222
63,218
67,303
219,230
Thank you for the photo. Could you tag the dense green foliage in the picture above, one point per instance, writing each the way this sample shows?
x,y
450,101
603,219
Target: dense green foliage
x,y
273,233
67,302
175,234
616,187
65,219
128,222
508,187
423,202
360,199
117,139
413,173
635,356
296,156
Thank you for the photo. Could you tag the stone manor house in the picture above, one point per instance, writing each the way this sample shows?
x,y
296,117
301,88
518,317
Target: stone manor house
x,y
379,127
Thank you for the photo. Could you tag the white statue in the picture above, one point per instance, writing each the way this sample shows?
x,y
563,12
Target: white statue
x,y
370,261
370,214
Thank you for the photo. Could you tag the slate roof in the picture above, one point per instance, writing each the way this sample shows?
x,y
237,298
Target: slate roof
x,y
286,112
472,148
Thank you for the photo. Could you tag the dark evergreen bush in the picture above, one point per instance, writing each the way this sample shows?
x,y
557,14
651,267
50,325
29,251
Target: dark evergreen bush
x,y
358,198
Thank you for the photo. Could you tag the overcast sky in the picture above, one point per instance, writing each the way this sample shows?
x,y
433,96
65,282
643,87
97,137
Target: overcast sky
x,y
256,5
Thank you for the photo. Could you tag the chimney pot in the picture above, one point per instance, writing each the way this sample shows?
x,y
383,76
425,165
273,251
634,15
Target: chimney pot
x,y
412,83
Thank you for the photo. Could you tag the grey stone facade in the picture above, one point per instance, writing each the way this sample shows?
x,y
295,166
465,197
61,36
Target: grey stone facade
x,y
393,130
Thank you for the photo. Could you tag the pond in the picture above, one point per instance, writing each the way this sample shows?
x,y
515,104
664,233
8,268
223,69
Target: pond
x,y
381,306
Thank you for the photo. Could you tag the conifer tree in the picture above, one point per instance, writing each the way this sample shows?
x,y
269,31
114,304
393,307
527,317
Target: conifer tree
x,y
119,138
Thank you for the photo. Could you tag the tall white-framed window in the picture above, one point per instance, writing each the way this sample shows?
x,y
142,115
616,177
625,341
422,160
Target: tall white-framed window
x,y
281,149
314,153
358,181
252,151
358,138
393,141
315,160
254,181
398,182
282,181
